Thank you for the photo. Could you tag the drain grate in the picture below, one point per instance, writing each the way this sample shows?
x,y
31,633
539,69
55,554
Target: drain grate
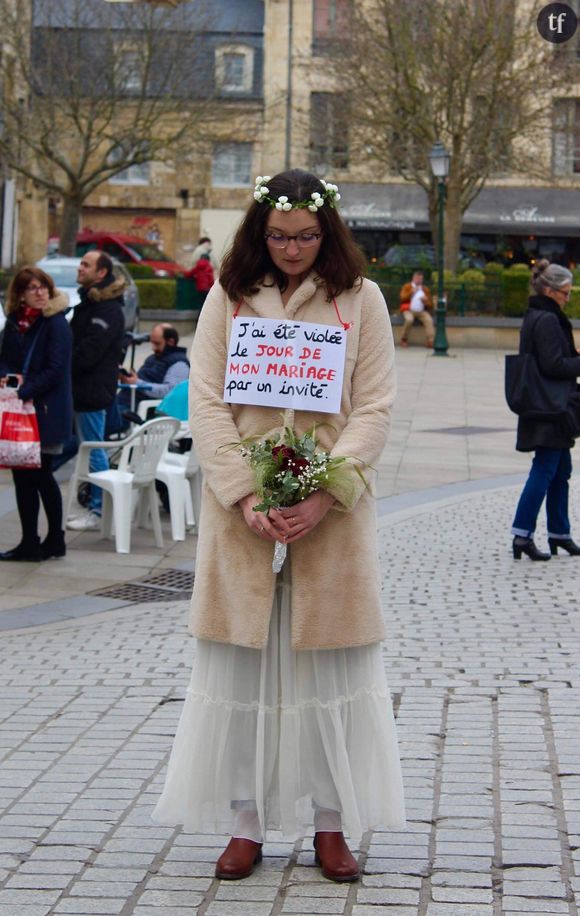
x,y
175,579
169,584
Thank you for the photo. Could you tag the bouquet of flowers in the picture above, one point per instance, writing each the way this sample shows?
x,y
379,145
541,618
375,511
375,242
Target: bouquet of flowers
x,y
290,468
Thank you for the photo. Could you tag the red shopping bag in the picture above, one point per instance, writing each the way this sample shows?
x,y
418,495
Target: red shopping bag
x,y
19,438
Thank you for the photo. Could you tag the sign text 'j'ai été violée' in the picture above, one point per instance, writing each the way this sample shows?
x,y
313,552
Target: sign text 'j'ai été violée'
x,y
294,364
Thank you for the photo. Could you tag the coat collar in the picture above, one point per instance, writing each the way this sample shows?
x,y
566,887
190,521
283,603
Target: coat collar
x,y
109,288
58,303
267,302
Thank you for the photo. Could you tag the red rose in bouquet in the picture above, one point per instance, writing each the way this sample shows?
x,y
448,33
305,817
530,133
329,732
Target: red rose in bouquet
x,y
289,460
299,465
283,454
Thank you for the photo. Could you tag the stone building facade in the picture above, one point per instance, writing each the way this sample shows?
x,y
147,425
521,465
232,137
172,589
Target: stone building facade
x,y
280,108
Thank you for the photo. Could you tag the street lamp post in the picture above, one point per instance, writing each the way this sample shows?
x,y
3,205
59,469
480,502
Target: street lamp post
x,y
439,160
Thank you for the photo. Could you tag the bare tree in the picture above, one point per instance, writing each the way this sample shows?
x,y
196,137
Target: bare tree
x,y
472,73
92,88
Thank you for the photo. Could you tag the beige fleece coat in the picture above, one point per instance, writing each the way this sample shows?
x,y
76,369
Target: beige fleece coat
x,y
334,569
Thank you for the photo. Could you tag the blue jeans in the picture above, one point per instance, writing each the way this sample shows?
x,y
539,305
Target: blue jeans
x,y
551,470
91,427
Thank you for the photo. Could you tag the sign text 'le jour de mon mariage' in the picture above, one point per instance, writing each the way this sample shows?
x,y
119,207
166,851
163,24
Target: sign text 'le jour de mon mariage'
x,y
293,364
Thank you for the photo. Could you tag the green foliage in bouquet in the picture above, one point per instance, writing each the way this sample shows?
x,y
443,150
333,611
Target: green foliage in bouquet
x,y
289,468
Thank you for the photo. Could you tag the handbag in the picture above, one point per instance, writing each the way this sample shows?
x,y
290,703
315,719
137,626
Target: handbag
x,y
19,436
531,394
405,306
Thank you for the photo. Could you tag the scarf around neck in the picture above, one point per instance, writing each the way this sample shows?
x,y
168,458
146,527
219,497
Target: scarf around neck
x,y
25,317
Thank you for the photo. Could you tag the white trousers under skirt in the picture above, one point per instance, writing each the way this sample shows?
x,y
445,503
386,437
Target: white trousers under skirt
x,y
278,738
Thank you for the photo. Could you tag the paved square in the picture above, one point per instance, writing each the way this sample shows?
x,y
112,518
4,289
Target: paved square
x,y
482,658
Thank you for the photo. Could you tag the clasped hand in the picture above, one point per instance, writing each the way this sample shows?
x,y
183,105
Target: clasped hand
x,y
4,379
287,525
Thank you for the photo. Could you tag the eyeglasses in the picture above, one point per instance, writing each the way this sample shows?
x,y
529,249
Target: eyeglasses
x,y
564,292
36,289
303,239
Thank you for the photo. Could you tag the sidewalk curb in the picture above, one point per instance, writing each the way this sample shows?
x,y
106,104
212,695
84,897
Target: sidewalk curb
x,y
440,497
420,501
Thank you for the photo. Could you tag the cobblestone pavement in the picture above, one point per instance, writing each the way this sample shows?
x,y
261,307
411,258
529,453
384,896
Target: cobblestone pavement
x,y
482,658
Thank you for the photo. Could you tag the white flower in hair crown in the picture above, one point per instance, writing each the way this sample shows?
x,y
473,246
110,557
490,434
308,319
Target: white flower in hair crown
x,y
312,203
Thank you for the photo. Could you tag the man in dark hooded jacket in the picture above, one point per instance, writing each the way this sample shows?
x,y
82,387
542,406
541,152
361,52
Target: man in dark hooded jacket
x,y
98,327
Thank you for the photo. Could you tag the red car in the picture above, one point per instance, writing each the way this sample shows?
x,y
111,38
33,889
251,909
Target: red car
x,y
128,249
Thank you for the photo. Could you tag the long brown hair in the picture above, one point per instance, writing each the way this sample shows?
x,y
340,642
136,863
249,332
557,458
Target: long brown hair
x,y
340,263
20,282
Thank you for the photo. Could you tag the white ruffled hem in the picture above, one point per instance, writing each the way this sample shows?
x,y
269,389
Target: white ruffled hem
x,y
283,734
312,703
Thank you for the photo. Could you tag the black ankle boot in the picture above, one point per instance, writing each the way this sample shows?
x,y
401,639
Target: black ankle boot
x,y
566,544
53,546
526,545
30,553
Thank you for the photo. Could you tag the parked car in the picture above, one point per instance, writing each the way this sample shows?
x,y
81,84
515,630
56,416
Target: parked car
x,y
417,256
128,249
64,273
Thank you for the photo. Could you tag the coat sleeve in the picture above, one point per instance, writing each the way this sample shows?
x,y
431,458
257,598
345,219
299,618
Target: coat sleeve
x,y
55,361
550,351
105,325
374,387
405,293
212,425
4,351
178,372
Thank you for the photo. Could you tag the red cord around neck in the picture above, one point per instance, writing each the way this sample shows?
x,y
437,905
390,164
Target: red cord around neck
x,y
347,325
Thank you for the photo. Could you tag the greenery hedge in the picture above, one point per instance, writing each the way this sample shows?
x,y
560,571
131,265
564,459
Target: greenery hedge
x,y
494,290
5,278
573,307
156,294
516,290
140,271
515,293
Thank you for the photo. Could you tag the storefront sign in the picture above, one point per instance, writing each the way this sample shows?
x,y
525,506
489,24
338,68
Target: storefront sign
x,y
526,215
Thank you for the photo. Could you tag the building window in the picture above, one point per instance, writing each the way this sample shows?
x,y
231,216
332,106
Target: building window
x,y
128,69
232,165
330,21
566,137
133,174
234,65
329,125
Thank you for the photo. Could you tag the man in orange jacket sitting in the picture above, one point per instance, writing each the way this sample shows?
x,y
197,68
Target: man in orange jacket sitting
x,y
416,302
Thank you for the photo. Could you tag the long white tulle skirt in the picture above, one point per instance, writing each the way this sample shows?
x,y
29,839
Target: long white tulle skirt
x,y
283,733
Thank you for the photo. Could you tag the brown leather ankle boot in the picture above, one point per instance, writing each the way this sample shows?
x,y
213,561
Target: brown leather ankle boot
x,y
334,857
238,859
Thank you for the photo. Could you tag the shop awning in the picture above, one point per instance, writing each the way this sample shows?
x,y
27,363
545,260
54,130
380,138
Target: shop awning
x,y
498,210
378,206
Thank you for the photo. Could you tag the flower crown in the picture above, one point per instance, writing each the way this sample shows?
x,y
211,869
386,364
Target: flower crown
x,y
313,203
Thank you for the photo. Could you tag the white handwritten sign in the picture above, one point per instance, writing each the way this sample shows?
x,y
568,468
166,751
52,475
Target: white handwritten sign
x,y
294,364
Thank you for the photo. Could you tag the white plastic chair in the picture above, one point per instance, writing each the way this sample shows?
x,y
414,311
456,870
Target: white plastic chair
x,y
181,474
131,484
144,406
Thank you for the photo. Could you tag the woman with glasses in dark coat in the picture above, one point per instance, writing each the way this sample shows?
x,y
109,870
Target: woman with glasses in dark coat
x,y
37,347
547,333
